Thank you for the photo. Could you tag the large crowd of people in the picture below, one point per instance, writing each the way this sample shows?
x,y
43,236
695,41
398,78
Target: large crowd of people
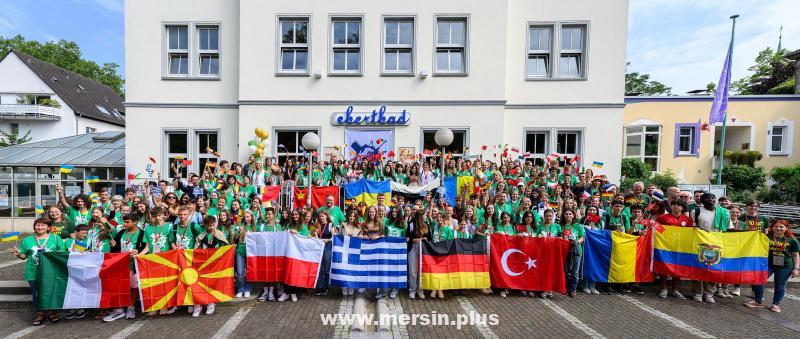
x,y
552,198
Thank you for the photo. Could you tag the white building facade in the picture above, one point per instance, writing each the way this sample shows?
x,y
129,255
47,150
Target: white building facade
x,y
546,77
50,102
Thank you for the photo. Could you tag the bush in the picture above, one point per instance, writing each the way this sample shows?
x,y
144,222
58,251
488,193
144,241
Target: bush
x,y
663,180
635,168
747,158
742,181
50,103
786,87
786,189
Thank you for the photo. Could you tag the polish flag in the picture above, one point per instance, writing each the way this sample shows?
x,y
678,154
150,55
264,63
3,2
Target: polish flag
x,y
283,257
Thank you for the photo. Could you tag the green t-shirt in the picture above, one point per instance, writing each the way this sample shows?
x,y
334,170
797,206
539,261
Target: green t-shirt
x,y
76,217
506,229
337,217
69,244
127,243
303,230
392,231
463,235
554,230
443,233
95,243
63,228
575,232
32,248
783,247
158,237
185,236
755,223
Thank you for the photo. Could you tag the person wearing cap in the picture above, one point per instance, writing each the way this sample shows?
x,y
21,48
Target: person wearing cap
x,y
784,263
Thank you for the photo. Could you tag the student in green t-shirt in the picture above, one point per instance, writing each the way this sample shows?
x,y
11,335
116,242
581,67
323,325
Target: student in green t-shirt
x,y
30,250
784,262
184,231
270,225
572,231
78,212
505,227
548,228
395,225
59,225
337,217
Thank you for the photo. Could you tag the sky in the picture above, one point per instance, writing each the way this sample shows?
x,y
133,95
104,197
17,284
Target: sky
x,y
681,43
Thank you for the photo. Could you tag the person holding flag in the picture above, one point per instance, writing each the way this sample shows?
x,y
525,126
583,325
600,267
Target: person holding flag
x,y
78,212
30,250
77,244
574,232
130,240
784,254
211,237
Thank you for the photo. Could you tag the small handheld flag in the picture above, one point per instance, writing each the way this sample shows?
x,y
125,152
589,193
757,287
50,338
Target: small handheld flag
x,y
39,209
94,197
597,164
80,246
92,179
66,168
12,236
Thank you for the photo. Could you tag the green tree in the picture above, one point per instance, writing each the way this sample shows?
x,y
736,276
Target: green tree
x,y
711,88
11,139
786,189
771,69
67,55
640,84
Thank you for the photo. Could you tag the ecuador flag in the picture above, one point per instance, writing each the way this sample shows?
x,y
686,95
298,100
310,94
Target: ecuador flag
x,y
729,257
617,257
185,277
368,191
455,264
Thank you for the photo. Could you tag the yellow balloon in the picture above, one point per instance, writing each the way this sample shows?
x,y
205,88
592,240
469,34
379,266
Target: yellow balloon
x,y
262,145
260,152
259,131
265,136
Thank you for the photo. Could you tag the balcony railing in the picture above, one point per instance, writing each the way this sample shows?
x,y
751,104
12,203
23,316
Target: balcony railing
x,y
29,112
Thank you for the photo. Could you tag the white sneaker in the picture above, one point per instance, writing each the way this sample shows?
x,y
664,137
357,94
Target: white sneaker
x,y
587,291
525,293
361,290
247,294
594,291
210,309
503,294
663,293
412,295
294,297
171,310
118,313
420,294
238,295
283,297
697,297
393,293
737,291
197,310
708,298
677,294
130,313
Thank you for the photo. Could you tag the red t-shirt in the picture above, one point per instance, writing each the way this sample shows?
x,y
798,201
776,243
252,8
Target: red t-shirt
x,y
671,220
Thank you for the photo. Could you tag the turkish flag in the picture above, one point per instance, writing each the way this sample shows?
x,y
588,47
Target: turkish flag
x,y
526,263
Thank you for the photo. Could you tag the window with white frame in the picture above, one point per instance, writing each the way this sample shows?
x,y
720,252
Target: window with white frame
x,y
540,46
779,138
346,45
571,62
456,148
177,50
294,45
643,142
568,143
537,146
207,143
451,45
90,129
685,140
398,45
208,50
176,150
289,143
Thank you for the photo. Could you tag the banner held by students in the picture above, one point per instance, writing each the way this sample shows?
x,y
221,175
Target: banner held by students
x,y
362,263
73,280
368,191
455,264
283,257
616,257
526,263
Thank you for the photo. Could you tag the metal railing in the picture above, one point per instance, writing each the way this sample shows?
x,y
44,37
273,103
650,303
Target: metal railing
x,y
34,112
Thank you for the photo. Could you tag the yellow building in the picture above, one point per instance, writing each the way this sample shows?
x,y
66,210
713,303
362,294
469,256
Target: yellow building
x,y
668,133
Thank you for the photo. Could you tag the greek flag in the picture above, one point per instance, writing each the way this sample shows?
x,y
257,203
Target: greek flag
x,y
361,263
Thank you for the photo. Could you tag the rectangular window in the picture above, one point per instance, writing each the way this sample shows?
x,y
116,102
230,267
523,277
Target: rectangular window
x,y
91,129
346,45
293,45
398,46
14,128
207,144
456,148
451,45
573,51
208,50
685,143
568,143
289,144
778,135
539,51
178,50
177,151
642,142
537,146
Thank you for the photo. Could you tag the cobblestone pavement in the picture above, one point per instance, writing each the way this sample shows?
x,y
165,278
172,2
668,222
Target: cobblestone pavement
x,y
601,316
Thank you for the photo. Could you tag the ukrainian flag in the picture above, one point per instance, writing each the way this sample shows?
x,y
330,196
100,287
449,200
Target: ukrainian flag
x,y
617,257
12,236
729,257
368,191
92,179
454,186
66,168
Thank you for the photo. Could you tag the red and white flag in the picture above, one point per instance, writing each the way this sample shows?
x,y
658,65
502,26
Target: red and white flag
x,y
526,263
283,257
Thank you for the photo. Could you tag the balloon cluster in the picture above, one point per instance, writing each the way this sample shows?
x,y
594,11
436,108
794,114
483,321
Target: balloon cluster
x,y
257,145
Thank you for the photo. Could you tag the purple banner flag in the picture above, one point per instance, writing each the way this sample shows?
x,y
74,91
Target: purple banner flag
x,y
720,105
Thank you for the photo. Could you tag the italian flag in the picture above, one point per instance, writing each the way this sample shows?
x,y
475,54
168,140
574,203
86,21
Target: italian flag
x,y
283,257
70,280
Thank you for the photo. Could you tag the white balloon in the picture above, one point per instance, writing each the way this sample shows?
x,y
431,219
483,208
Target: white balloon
x,y
252,148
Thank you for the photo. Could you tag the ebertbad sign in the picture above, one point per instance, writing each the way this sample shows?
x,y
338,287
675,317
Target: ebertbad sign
x,y
378,117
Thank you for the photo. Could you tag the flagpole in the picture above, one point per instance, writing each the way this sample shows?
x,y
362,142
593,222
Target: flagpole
x,y
725,114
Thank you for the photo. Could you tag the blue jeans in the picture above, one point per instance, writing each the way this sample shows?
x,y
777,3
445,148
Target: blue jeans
x,y
324,278
573,270
782,275
34,293
241,274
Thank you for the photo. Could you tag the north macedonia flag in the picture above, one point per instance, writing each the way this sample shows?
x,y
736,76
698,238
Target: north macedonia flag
x,y
185,277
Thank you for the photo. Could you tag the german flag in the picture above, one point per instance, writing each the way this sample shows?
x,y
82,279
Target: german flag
x,y
455,264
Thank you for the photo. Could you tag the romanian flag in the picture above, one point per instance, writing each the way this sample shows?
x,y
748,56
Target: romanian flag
x,y
92,179
270,195
455,264
185,277
66,168
12,236
616,257
729,257
368,191
455,186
